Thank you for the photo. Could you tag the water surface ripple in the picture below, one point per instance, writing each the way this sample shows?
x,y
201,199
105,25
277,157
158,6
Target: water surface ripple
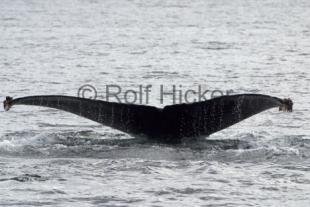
x,y
52,158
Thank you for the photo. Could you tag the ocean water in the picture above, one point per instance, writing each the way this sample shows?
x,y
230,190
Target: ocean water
x,y
53,158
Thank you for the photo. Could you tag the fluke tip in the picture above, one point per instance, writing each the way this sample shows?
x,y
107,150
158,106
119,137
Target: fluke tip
x,y
287,105
7,103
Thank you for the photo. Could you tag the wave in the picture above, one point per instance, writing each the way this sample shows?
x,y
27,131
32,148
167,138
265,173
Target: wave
x,y
91,144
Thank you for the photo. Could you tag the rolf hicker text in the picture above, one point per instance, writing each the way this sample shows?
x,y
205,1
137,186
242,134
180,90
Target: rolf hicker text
x,y
141,94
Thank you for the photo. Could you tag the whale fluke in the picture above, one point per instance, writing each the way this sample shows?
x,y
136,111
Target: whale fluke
x,y
169,124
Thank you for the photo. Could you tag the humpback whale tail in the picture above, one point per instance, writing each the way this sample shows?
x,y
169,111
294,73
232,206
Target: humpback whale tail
x,y
169,124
